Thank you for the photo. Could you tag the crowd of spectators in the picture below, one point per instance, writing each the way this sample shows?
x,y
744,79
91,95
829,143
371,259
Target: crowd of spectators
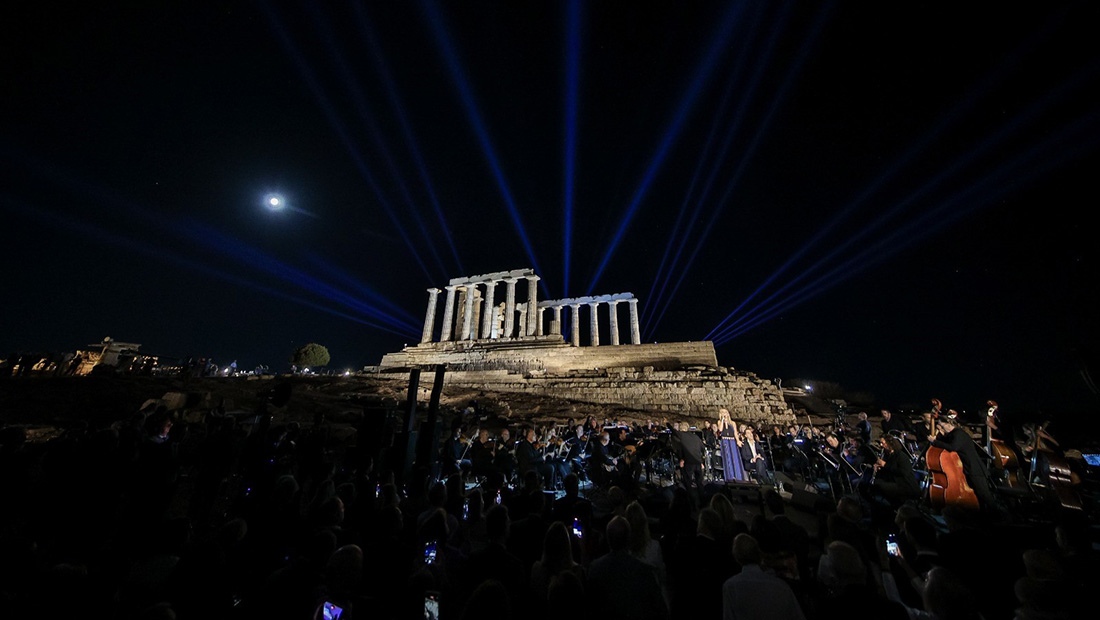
x,y
153,518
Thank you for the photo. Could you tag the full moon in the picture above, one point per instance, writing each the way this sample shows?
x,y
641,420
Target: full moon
x,y
274,202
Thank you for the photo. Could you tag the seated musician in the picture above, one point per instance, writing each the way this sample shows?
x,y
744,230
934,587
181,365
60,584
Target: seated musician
x,y
576,454
894,479
955,439
529,458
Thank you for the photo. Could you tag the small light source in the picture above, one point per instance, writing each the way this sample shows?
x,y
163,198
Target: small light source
x,y
274,202
809,388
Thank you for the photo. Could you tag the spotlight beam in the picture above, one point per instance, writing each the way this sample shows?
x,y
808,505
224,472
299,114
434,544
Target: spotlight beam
x,y
747,155
572,96
341,130
85,229
359,99
1006,131
398,107
345,278
262,261
180,231
1032,164
901,163
717,45
466,96
656,306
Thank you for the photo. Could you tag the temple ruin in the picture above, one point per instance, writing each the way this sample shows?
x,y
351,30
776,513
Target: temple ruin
x,y
516,347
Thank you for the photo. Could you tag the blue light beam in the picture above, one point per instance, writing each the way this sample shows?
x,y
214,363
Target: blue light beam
x,y
572,97
85,230
927,138
341,130
1007,130
747,155
399,110
717,45
1026,167
654,305
359,100
473,114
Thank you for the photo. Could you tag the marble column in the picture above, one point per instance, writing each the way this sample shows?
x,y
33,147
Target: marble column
x,y
635,331
555,321
429,318
487,313
532,303
576,325
612,308
522,319
468,315
509,307
448,314
475,331
498,321
594,324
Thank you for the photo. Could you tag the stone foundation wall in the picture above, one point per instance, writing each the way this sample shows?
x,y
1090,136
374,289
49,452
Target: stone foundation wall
x,y
691,393
551,355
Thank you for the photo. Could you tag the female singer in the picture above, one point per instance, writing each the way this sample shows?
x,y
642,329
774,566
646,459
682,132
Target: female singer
x,y
731,447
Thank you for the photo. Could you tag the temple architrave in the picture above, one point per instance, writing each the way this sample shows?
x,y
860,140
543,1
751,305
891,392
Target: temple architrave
x,y
520,347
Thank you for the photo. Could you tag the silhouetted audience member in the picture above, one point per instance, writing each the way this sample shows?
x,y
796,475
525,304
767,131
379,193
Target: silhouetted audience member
x,y
621,585
753,593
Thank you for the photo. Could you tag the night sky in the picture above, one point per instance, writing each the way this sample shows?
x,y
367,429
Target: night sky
x,y
934,166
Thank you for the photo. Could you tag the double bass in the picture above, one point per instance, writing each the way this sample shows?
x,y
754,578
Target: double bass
x,y
948,486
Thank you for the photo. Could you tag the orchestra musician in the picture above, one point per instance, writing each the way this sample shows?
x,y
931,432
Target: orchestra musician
x,y
894,480
894,424
504,457
600,462
955,439
454,452
482,454
863,427
575,450
529,457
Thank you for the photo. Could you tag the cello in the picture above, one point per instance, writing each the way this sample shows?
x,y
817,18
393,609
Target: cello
x,y
948,486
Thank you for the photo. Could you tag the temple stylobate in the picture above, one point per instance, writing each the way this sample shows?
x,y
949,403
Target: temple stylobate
x,y
471,313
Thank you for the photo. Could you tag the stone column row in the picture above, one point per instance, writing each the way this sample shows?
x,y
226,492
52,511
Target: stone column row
x,y
594,322
530,324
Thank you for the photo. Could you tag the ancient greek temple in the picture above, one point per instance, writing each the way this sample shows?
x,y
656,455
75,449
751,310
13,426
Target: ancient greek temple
x,y
471,312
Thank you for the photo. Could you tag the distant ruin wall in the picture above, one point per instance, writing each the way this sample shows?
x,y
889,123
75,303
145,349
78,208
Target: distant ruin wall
x,y
549,354
692,393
